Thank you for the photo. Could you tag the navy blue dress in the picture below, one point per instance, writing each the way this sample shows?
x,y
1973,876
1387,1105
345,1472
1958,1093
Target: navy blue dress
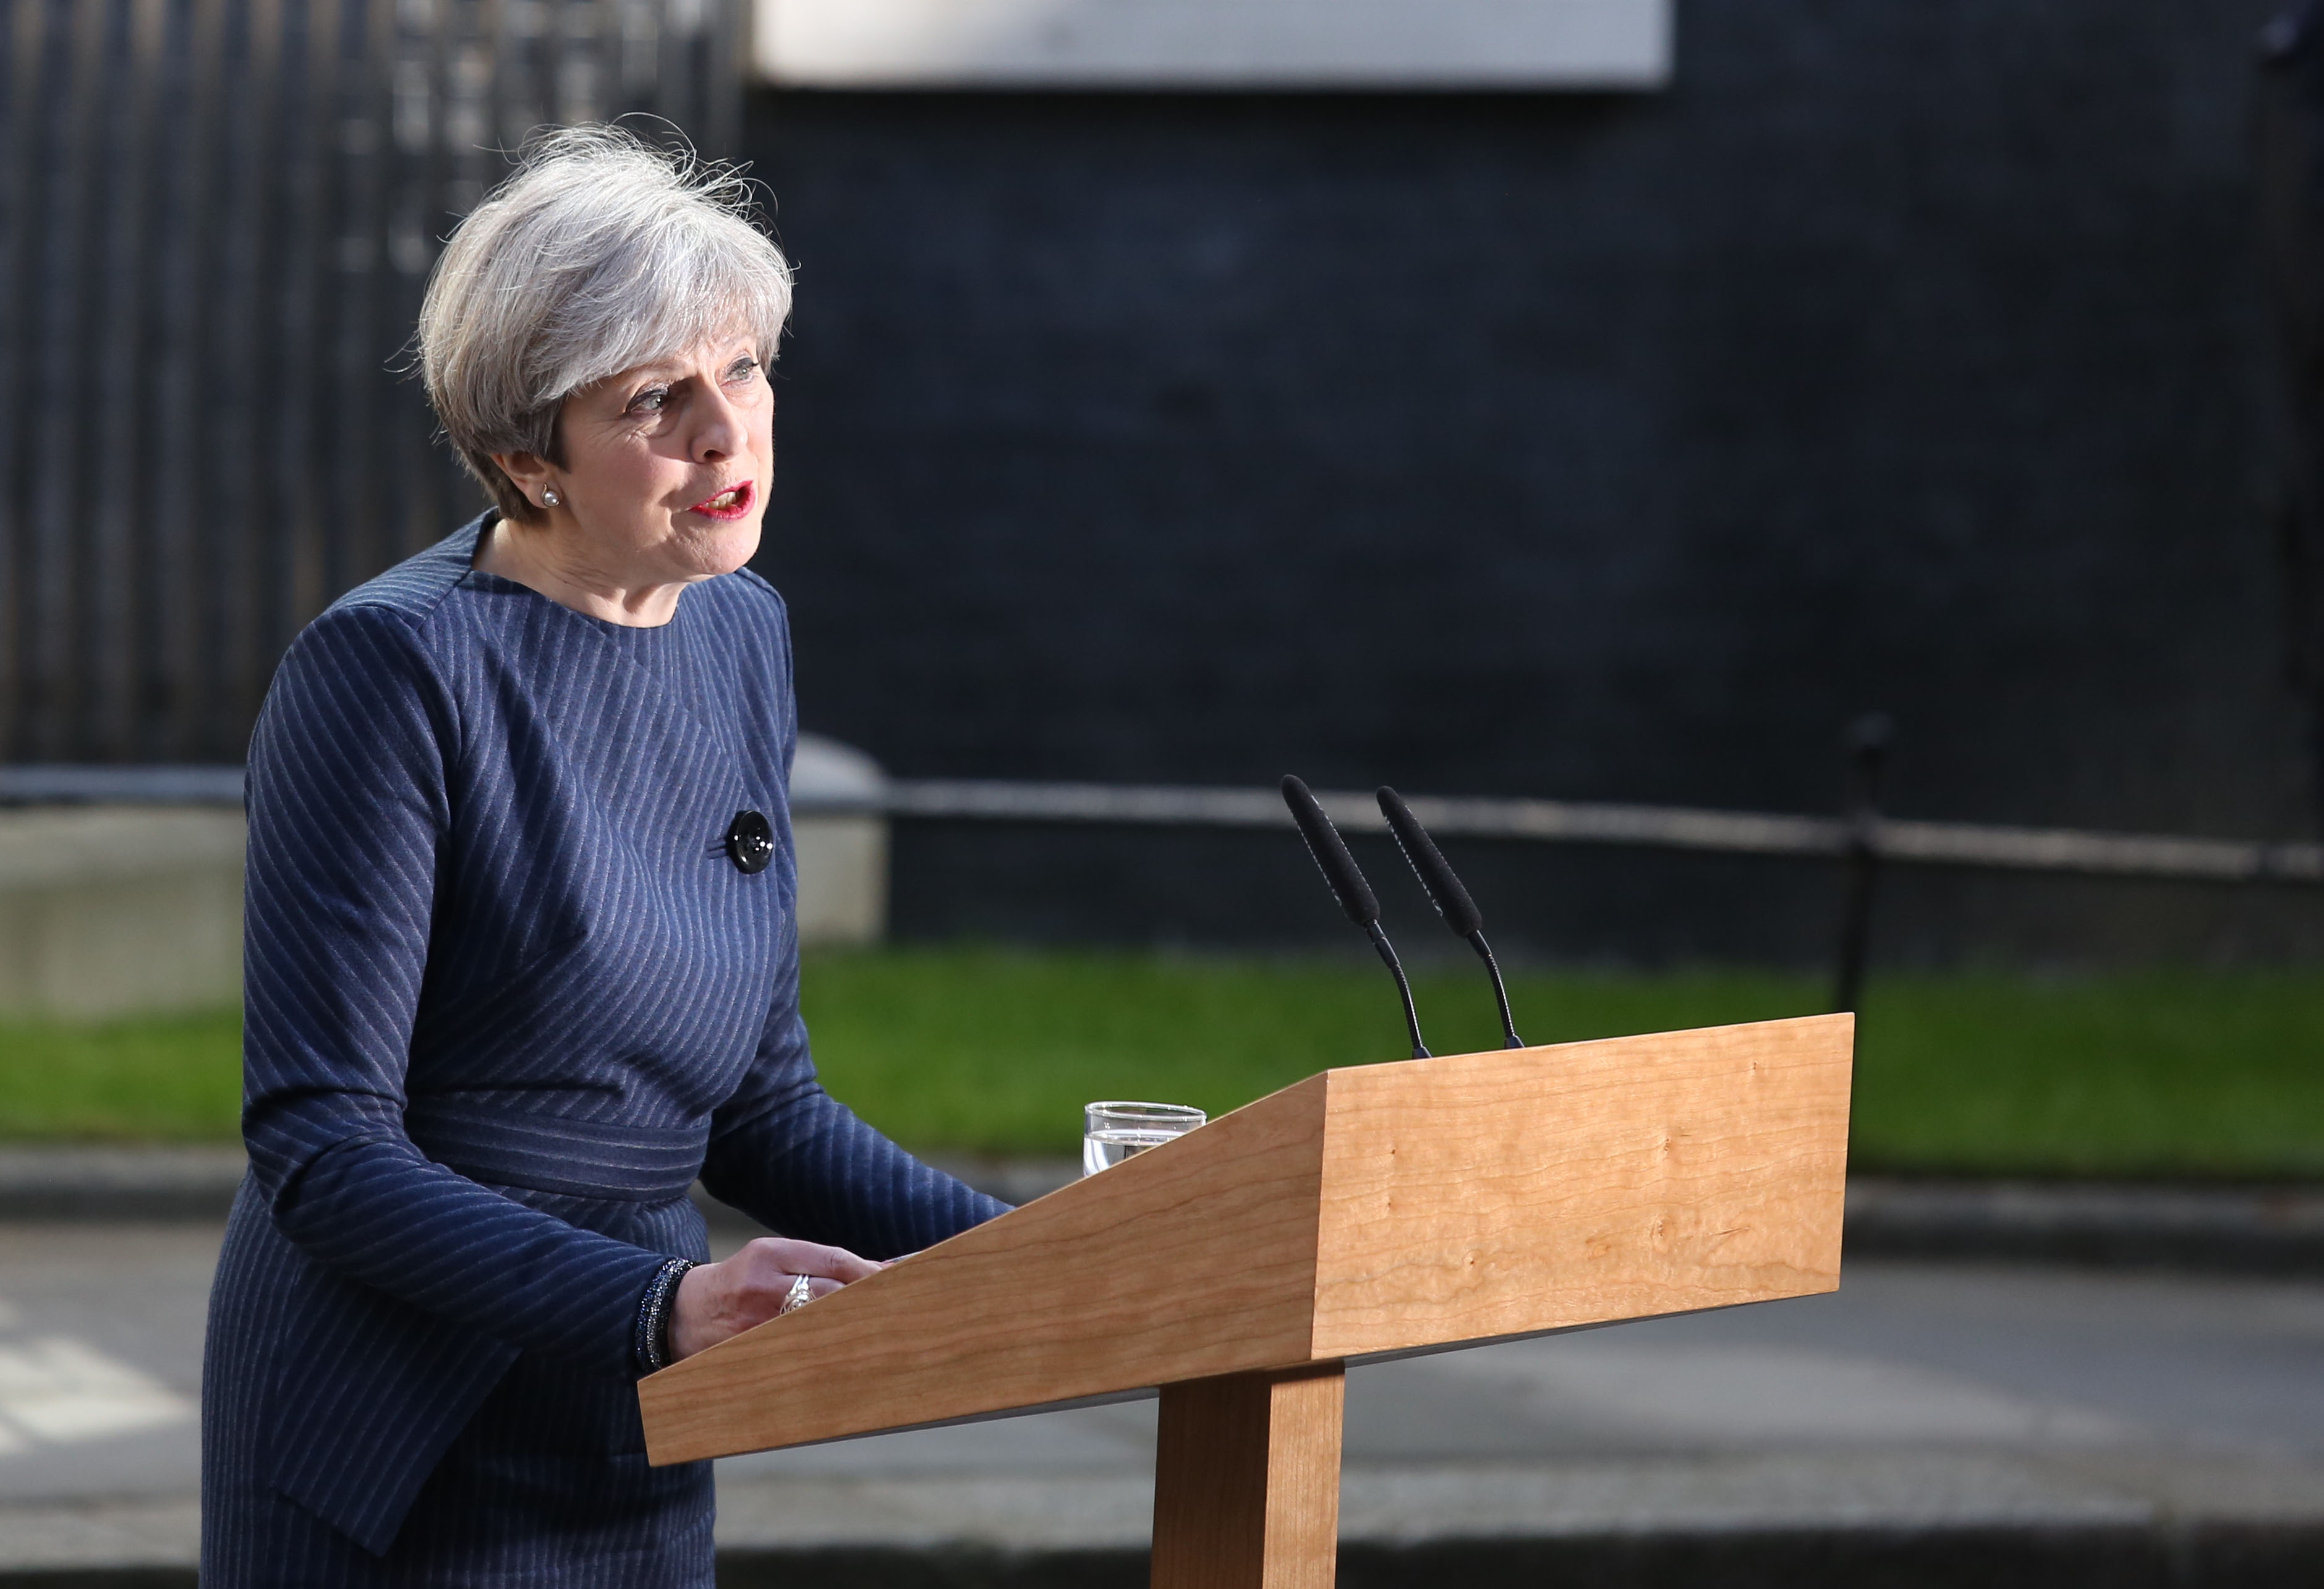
x,y
506,996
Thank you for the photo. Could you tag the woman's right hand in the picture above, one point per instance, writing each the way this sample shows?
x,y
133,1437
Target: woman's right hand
x,y
715,1300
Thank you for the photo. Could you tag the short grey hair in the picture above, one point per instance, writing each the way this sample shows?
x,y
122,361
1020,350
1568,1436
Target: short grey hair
x,y
598,254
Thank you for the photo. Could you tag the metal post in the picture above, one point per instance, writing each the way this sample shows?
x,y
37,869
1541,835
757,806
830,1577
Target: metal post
x,y
1868,739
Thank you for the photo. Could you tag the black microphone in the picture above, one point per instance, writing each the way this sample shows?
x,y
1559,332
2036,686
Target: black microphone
x,y
1348,886
1444,891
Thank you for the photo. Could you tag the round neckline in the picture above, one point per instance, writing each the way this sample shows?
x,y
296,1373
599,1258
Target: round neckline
x,y
485,579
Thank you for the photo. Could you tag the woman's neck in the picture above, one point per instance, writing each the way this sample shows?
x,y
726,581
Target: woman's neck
x,y
541,561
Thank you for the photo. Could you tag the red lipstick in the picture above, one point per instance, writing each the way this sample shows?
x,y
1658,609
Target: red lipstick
x,y
733,503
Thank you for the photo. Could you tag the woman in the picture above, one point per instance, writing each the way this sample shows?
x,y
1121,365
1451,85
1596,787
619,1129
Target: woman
x,y
521,958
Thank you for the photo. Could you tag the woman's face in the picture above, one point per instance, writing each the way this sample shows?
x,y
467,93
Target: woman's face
x,y
665,467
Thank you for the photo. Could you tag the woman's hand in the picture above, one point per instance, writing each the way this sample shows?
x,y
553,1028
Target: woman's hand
x,y
715,1300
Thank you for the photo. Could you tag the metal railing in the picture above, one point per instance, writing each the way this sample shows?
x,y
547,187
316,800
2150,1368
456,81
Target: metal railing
x,y
1890,840
1544,821
1863,839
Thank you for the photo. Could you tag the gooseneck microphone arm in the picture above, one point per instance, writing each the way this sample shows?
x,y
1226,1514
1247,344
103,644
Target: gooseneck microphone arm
x,y
1444,891
1500,990
1403,988
1348,886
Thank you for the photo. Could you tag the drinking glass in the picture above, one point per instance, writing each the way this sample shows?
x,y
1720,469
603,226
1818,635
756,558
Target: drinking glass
x,y
1113,1132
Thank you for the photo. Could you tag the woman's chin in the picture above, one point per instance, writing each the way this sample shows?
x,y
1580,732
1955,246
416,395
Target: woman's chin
x,y
713,548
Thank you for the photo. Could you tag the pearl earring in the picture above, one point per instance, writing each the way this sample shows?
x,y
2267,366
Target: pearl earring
x,y
548,497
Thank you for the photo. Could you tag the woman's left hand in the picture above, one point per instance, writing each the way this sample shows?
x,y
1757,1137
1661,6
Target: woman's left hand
x,y
715,1300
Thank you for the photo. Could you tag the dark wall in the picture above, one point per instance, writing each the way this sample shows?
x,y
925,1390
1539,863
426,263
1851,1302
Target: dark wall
x,y
1603,447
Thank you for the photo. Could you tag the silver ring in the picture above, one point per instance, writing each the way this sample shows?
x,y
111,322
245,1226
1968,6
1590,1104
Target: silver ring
x,y
801,1293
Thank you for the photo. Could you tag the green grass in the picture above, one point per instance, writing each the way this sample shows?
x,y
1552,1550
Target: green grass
x,y
171,1078
2154,1073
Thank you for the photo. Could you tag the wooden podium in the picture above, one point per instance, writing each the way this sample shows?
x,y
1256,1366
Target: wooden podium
x,y
1364,1214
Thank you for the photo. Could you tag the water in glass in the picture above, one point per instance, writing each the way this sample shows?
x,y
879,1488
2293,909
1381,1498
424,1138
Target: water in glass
x,y
1113,1132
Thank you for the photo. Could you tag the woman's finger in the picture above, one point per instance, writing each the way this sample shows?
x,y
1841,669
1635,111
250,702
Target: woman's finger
x,y
812,1257
844,1266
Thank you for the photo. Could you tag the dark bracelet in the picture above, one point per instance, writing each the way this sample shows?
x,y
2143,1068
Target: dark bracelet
x,y
654,1311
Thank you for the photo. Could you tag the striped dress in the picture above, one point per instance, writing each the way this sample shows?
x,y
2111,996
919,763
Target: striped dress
x,y
507,995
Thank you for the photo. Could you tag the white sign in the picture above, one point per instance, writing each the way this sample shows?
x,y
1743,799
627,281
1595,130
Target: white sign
x,y
1213,43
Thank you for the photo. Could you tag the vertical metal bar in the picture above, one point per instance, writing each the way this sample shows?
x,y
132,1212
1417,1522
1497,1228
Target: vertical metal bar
x,y
112,638
222,509
42,587
463,65
87,521
266,111
675,94
60,388
721,119
305,423
19,304
1869,741
581,68
635,53
185,558
417,91
148,264
236,368
358,357
519,36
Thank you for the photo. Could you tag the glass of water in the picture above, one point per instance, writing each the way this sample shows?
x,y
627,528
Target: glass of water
x,y
1113,1132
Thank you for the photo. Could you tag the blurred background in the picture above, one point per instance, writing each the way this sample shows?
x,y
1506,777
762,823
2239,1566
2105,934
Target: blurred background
x,y
1838,490
1590,400
1619,438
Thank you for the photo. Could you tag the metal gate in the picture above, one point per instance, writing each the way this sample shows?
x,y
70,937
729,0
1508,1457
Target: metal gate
x,y
216,218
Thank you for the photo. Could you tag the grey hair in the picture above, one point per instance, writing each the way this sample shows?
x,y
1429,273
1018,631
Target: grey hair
x,y
599,252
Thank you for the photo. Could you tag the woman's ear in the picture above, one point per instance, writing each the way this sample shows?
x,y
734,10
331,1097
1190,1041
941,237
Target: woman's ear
x,y
529,471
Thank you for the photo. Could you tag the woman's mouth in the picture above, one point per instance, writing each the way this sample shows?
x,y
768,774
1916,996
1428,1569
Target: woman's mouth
x,y
729,503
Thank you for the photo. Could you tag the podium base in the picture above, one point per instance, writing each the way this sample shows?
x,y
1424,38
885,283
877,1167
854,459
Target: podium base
x,y
1247,1481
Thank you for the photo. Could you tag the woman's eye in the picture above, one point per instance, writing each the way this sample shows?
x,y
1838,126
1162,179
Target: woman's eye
x,y
651,401
743,369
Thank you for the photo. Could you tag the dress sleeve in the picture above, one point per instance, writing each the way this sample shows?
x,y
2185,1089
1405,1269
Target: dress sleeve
x,y
798,1161
348,813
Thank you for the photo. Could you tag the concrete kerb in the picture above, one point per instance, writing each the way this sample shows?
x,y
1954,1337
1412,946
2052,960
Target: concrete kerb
x,y
2235,1556
2037,1557
2261,1230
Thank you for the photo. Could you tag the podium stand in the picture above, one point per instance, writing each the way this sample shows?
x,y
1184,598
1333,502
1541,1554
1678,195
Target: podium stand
x,y
1364,1214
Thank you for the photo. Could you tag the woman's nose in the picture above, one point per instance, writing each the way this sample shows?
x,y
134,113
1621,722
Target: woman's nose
x,y
723,431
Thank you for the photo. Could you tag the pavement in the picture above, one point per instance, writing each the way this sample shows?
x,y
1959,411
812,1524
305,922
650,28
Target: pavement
x,y
1939,1421
2215,1228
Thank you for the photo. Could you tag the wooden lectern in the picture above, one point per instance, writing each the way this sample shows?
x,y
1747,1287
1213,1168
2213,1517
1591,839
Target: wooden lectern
x,y
1364,1214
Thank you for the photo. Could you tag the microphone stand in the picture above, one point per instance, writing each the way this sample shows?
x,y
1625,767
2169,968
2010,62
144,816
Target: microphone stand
x,y
1346,880
1444,891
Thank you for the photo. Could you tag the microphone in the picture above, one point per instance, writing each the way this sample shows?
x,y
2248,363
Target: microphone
x,y
1444,891
1348,886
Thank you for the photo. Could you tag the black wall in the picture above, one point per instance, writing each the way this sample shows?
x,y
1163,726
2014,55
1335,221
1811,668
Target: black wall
x,y
1908,356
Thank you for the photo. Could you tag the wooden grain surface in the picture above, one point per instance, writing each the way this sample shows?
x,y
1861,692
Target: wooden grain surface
x,y
1194,1259
1246,1481
1373,1210
1534,1188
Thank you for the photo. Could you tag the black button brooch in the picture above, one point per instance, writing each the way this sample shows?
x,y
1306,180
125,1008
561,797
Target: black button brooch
x,y
750,843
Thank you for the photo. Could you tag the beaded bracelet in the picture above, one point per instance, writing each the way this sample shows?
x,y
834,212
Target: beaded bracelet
x,y
654,1311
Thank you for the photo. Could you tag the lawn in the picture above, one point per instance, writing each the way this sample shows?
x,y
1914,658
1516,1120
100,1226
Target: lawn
x,y
2157,1073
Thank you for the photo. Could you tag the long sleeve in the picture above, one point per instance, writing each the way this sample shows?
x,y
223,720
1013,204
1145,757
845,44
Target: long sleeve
x,y
798,1161
349,814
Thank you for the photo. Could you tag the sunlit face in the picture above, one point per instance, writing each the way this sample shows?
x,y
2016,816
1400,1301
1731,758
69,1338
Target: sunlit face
x,y
665,469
